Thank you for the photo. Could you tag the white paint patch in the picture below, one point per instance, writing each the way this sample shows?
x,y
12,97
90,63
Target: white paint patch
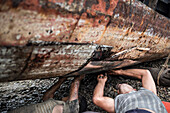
x,y
144,49
18,37
149,32
52,28
130,38
46,65
62,19
41,51
57,32
37,36
69,46
81,22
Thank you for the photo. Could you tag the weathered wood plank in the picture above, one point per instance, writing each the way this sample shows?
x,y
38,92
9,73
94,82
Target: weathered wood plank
x,y
122,24
31,62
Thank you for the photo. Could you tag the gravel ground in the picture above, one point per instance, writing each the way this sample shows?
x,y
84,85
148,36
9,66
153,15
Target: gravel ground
x,y
20,93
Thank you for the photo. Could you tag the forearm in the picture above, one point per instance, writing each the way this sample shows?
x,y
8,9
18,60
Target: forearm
x,y
74,90
53,89
99,89
100,100
143,74
137,73
50,92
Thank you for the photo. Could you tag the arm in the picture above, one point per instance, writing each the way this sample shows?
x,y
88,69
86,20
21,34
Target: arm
x,y
75,87
105,103
50,92
143,74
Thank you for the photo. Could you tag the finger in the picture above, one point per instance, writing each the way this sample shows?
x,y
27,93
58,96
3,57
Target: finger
x,y
101,75
105,77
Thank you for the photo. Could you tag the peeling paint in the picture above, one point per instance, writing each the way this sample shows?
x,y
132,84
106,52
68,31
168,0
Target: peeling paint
x,y
57,32
31,62
37,36
66,33
18,37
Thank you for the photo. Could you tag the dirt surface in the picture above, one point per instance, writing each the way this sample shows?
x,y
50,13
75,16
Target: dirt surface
x,y
20,93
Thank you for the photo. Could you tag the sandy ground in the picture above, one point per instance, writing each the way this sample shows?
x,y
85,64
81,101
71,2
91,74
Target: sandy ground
x,y
20,93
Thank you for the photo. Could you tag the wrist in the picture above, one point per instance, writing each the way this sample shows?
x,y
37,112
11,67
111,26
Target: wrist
x,y
101,82
118,72
77,80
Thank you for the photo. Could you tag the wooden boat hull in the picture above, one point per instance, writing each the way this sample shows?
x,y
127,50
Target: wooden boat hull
x,y
128,28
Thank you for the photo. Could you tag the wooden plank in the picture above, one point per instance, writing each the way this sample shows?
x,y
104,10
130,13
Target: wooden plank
x,y
32,62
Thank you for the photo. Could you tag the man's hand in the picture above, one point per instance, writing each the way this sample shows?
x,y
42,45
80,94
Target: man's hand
x,y
143,74
115,72
79,78
105,103
102,78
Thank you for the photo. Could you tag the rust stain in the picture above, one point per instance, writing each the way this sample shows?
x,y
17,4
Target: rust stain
x,y
104,7
141,23
31,4
90,29
44,61
116,23
129,31
98,40
99,7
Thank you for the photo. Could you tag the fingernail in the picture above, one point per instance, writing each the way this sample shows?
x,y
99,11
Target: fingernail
x,y
100,76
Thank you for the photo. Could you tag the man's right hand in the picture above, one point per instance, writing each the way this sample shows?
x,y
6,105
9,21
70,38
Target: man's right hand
x,y
102,78
99,99
79,78
115,72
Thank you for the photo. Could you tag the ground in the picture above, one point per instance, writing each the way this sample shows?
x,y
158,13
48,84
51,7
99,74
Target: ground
x,y
20,93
